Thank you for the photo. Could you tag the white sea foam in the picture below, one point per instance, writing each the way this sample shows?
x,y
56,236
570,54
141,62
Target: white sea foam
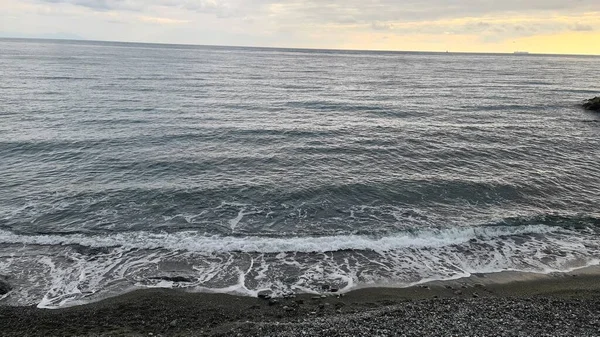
x,y
53,271
197,242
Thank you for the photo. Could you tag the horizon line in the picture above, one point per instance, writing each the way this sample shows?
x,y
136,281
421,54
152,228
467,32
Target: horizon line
x,y
516,53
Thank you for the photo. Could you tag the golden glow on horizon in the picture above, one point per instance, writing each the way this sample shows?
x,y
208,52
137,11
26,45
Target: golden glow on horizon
x,y
584,42
564,43
294,24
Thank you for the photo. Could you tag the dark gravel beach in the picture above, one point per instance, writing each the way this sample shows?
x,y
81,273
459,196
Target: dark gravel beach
x,y
554,305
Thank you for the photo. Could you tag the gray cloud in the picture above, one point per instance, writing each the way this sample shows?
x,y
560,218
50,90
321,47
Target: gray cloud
x,y
101,5
381,26
382,11
582,28
336,11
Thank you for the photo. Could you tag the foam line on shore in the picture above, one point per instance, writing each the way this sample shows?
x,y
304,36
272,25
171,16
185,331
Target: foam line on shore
x,y
197,242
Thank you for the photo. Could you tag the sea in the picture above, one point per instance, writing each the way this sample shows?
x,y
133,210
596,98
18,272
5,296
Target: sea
x,y
243,170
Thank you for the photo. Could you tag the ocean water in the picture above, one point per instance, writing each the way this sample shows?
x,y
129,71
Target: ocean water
x,y
124,166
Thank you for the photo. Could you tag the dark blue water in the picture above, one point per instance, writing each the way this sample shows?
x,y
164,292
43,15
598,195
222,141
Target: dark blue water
x,y
239,170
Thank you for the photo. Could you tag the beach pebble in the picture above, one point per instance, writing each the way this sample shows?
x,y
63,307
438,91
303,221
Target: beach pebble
x,y
264,294
458,292
173,323
273,302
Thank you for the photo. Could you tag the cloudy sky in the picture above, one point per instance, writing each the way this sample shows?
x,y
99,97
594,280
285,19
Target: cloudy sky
x,y
549,26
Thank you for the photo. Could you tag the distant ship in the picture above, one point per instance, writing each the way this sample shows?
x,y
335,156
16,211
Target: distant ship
x,y
521,53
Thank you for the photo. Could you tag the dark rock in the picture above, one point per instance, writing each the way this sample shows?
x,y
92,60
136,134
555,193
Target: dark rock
x,y
173,323
273,302
334,290
475,295
286,308
90,251
265,294
4,287
325,287
458,292
449,287
300,302
176,279
592,104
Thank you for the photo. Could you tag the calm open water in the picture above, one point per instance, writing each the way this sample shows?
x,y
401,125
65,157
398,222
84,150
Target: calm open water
x,y
238,169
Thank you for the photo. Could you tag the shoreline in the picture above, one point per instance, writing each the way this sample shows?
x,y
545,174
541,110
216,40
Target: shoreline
x,y
535,301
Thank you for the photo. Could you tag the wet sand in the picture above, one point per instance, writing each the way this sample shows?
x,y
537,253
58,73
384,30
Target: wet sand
x,y
506,304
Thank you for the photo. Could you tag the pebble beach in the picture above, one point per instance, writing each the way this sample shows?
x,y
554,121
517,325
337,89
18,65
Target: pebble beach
x,y
482,305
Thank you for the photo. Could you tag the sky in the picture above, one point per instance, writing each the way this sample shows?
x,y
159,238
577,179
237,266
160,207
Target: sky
x,y
536,26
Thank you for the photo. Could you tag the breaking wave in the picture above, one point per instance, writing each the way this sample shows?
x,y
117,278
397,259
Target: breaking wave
x,y
62,270
197,242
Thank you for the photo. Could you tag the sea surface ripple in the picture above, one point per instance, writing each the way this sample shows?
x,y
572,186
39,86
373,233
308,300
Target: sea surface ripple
x,y
244,169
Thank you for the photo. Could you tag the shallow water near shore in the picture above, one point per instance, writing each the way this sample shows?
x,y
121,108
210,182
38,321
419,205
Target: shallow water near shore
x,y
237,170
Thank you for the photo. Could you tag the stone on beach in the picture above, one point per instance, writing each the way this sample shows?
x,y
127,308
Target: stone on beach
x,y
264,294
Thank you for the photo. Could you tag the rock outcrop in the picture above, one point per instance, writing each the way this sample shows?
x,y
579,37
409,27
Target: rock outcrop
x,y
592,104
